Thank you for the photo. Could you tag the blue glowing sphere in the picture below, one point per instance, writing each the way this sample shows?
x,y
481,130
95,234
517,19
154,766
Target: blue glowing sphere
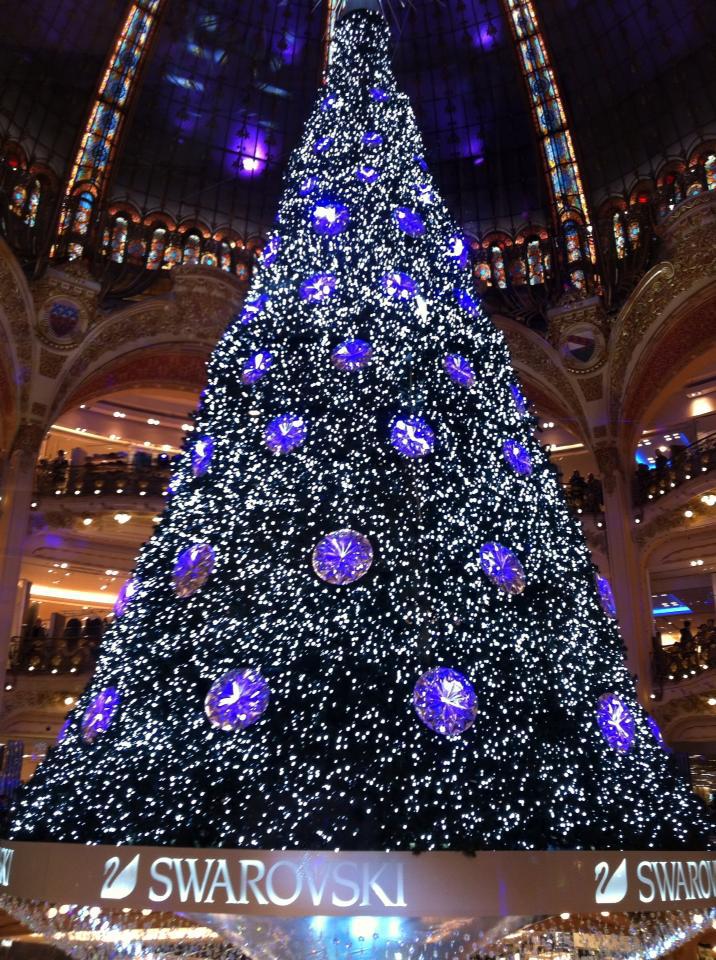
x,y
127,592
285,433
306,186
445,701
201,454
409,221
270,251
367,174
459,369
237,700
616,722
329,102
424,192
468,302
380,96
399,286
257,366
502,567
412,437
99,714
319,287
343,556
606,597
421,162
351,354
372,139
329,218
655,732
517,457
252,308
322,144
192,568
519,400
458,250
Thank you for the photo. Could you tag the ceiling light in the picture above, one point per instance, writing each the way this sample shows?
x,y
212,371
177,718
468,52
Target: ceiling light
x,y
123,517
152,422
69,701
697,563
64,565
709,499
711,701
688,513
119,414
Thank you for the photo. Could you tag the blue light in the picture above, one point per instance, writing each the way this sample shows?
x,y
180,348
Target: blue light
x,y
252,308
424,192
421,162
519,400
322,144
319,287
367,174
329,102
256,367
399,286
459,369
409,221
329,218
606,597
502,567
351,355
380,96
127,593
616,722
343,556
270,251
517,457
99,714
468,302
656,733
285,433
457,250
308,185
193,568
237,700
445,701
668,604
372,139
412,437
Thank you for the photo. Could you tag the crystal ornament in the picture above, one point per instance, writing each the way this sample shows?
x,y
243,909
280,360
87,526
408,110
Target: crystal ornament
x,y
409,221
127,592
517,457
445,701
322,144
412,437
99,714
519,400
252,308
502,567
372,139
399,286
319,287
367,174
201,454
193,568
329,102
457,250
616,722
421,162
351,355
237,699
64,728
342,557
285,433
257,366
606,597
424,192
270,251
306,186
329,218
459,369
656,733
468,302
380,96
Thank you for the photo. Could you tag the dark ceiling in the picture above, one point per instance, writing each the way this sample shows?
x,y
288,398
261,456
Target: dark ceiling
x,y
229,84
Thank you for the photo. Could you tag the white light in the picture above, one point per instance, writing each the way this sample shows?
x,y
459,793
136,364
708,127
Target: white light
x,y
123,517
688,513
69,701
118,414
152,422
88,521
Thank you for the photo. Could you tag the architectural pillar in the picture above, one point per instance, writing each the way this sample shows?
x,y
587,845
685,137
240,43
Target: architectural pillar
x,y
14,520
629,580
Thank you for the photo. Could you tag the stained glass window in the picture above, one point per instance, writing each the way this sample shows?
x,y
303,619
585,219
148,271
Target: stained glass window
x,y
571,237
710,170
172,256
225,257
518,273
535,266
208,259
19,195
694,189
482,272
619,235
192,247
634,233
156,249
33,203
578,279
118,243
497,263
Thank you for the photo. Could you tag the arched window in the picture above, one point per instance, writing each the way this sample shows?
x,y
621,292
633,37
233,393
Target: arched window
x,y
84,212
634,232
619,235
19,195
225,257
33,202
571,238
535,264
172,256
192,248
156,249
710,171
695,189
118,243
518,273
482,272
208,259
497,262
242,271
577,277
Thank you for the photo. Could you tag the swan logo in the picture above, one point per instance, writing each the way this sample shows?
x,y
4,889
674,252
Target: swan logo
x,y
119,881
611,889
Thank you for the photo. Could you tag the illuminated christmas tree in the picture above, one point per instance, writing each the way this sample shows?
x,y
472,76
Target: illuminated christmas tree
x,y
367,618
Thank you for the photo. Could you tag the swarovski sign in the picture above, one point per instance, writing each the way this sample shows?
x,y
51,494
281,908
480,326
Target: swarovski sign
x,y
325,883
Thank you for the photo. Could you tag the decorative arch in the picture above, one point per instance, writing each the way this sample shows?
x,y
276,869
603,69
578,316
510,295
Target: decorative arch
x,y
17,342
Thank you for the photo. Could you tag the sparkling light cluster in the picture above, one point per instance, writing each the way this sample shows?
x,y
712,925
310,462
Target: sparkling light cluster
x,y
409,523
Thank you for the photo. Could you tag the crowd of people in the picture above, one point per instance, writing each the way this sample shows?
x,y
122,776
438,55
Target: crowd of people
x,y
108,473
692,653
668,472
584,494
74,650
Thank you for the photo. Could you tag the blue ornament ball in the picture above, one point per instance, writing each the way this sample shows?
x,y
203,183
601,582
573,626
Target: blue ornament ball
x,y
99,714
616,722
329,218
657,734
372,139
468,303
307,185
409,221
457,250
317,288
399,286
606,597
127,593
285,433
424,192
445,701
193,568
237,699
519,400
270,251
201,454
459,369
322,144
518,457
502,567
256,367
343,556
252,308
412,437
351,355
380,96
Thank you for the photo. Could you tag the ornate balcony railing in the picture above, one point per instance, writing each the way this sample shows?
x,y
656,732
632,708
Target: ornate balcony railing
x,y
51,655
684,465
104,477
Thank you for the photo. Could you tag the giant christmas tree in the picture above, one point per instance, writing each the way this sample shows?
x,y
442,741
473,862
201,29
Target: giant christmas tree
x,y
367,618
